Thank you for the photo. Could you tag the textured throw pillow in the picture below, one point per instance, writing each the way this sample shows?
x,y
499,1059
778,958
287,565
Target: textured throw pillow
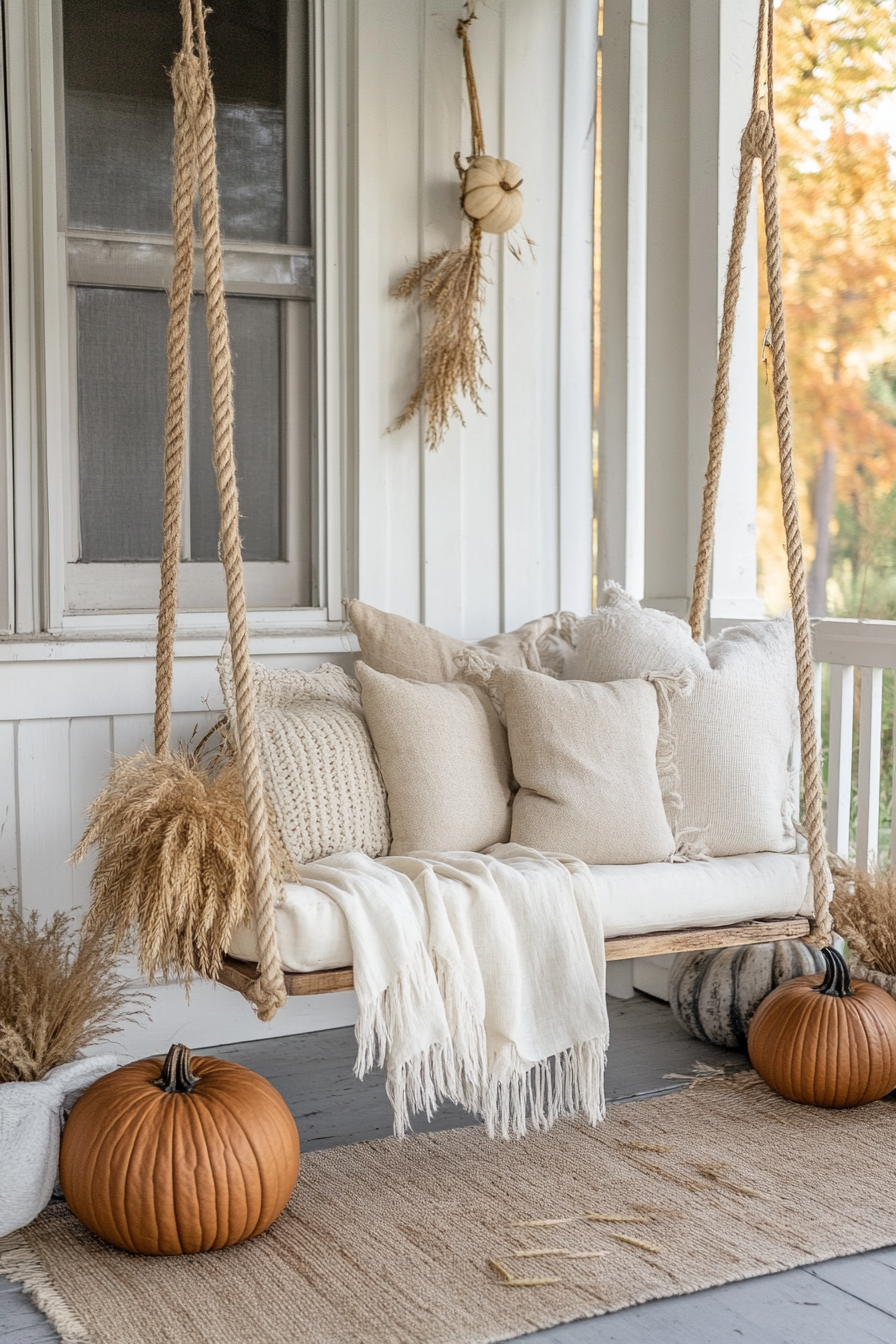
x,y
585,758
734,736
403,648
322,781
444,760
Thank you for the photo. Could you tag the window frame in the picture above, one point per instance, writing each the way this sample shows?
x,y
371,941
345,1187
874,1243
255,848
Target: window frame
x,y
43,438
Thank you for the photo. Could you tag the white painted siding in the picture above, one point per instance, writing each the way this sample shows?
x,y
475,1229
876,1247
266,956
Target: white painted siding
x,y
495,528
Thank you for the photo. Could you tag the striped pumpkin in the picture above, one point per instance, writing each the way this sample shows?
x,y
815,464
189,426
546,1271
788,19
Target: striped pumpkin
x,y
714,994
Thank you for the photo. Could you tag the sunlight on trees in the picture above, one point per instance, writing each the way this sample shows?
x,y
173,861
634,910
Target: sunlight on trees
x,y
835,109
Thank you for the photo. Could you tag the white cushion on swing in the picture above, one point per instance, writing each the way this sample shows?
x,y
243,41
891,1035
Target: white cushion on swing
x,y
637,898
735,737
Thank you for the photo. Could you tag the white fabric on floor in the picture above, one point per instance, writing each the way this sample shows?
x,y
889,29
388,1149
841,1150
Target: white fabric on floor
x,y
30,1126
480,980
638,898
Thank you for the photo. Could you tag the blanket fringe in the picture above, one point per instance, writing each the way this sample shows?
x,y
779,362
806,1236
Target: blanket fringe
x,y
510,1094
21,1265
422,1082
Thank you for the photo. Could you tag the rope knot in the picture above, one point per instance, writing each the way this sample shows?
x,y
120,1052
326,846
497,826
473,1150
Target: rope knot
x,y
758,134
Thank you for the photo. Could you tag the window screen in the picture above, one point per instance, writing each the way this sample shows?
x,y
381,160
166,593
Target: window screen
x,y
118,173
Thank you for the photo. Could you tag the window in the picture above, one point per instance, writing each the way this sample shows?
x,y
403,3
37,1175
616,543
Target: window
x,y
113,131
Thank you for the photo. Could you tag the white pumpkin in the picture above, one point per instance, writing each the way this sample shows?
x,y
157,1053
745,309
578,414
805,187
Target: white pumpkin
x,y
714,994
491,193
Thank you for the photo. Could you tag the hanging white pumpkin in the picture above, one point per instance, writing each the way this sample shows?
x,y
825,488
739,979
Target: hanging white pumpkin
x,y
491,193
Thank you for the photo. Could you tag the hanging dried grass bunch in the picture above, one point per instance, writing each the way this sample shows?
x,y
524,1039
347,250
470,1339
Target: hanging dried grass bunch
x,y
864,910
58,993
451,288
173,859
450,283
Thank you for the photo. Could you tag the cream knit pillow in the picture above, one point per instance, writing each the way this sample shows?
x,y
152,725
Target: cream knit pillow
x,y
585,758
734,738
401,647
322,782
444,760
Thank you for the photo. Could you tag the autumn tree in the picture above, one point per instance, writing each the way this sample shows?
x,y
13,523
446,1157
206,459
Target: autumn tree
x,y
835,63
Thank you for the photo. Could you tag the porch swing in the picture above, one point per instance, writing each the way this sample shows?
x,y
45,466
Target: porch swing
x,y
264,982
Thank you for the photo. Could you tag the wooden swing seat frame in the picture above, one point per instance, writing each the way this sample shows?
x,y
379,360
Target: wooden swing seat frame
x,y
240,975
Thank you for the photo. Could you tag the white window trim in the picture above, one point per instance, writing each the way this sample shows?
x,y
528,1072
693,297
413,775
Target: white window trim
x,y
7,531
37,464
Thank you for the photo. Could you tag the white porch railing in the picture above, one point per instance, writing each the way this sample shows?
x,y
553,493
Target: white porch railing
x,y
854,678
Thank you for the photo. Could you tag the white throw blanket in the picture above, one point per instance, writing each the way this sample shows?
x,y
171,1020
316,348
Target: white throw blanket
x,y
480,980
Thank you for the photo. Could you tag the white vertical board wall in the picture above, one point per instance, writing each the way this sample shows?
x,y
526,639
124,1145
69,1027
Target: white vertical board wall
x,y
495,528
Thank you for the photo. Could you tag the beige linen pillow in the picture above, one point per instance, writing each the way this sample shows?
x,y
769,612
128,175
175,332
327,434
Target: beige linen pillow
x,y
444,759
735,737
322,783
403,648
585,758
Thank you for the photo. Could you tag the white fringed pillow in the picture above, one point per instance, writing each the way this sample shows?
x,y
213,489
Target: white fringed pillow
x,y
734,737
322,781
585,759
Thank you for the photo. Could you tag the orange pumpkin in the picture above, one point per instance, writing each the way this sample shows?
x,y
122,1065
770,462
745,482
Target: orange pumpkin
x,y
826,1041
181,1156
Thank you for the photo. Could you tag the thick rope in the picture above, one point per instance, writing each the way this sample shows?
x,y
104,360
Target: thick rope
x,y
477,136
759,141
195,157
185,82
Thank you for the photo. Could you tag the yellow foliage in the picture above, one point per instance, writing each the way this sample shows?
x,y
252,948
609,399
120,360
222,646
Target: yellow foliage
x,y
835,61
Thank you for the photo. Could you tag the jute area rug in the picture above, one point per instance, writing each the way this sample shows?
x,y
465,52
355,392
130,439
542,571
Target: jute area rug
x,y
450,1238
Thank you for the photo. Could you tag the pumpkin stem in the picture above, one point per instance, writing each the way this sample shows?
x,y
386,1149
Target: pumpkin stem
x,y
510,186
176,1075
836,975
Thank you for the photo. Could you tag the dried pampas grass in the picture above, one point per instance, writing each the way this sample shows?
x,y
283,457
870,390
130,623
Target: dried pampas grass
x,y
173,860
864,910
58,993
450,284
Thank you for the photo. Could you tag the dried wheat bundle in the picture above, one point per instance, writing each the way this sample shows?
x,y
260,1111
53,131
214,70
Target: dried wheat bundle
x,y
173,860
864,910
58,993
450,284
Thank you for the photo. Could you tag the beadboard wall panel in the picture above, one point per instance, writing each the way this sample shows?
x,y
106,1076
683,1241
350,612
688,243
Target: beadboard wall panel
x,y
9,839
90,755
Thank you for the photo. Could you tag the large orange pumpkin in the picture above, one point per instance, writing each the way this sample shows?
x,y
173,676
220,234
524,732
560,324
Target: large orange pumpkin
x,y
824,1040
181,1156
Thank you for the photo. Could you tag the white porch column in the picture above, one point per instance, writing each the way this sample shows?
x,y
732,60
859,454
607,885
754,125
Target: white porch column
x,y
699,80
723,36
621,405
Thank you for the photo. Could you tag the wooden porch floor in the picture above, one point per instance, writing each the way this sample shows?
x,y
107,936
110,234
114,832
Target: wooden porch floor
x,y
852,1298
